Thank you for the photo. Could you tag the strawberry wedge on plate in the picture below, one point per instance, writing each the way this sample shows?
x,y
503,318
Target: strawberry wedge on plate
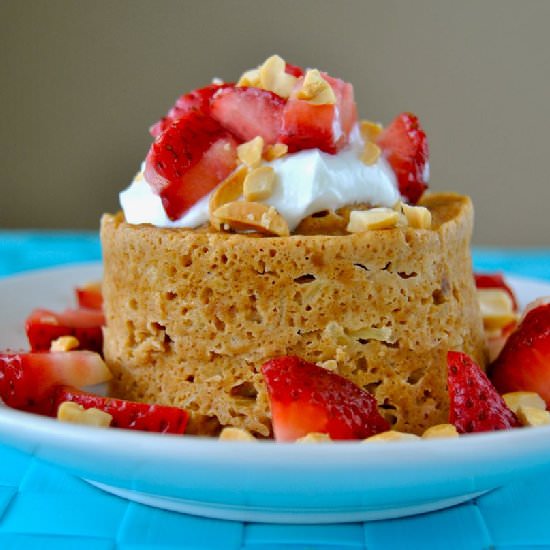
x,y
43,326
524,362
475,405
306,398
129,415
28,379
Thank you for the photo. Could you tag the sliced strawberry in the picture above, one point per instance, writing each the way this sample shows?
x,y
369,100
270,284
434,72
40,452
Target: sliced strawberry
x,y
188,160
197,100
43,326
89,296
27,379
129,415
405,146
495,280
306,398
524,362
294,70
325,127
249,112
475,405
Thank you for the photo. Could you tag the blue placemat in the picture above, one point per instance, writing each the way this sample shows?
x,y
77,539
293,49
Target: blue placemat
x,y
41,506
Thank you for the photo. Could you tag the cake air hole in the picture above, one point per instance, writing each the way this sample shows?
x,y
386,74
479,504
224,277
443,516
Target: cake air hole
x,y
305,279
438,296
415,376
405,275
245,390
205,295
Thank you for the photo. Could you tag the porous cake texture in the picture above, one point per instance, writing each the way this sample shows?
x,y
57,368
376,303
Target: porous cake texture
x,y
193,314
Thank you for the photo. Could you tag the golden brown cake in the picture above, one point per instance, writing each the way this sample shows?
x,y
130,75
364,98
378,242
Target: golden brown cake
x,y
193,314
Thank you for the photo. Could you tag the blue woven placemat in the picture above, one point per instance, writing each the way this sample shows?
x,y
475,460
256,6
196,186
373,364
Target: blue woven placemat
x,y
42,506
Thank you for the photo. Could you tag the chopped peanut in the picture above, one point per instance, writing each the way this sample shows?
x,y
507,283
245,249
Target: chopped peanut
x,y
236,434
314,437
258,184
229,190
440,430
390,435
532,416
329,364
275,151
370,130
64,343
77,414
375,218
316,89
250,78
497,308
371,153
255,216
251,152
418,217
274,78
516,399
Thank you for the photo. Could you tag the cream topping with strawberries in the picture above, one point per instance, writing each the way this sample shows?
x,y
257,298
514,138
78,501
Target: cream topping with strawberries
x,y
308,181
297,128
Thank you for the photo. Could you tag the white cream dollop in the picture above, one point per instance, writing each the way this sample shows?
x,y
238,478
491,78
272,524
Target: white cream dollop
x,y
308,181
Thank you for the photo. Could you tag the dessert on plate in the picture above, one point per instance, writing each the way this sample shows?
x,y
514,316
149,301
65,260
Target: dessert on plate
x,y
268,220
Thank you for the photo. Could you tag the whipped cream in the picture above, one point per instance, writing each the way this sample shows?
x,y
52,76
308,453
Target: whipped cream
x,y
308,181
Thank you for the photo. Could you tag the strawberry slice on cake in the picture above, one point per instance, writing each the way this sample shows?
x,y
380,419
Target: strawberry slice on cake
x,y
188,160
197,101
405,147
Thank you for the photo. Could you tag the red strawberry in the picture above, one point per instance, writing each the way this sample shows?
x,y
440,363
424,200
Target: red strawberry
x,y
495,280
249,112
197,100
188,160
89,296
405,146
126,414
326,127
475,405
43,326
307,398
294,70
27,379
524,362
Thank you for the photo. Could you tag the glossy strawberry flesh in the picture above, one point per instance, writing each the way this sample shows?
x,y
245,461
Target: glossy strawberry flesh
x,y
524,362
197,100
495,280
294,70
306,398
129,415
249,112
405,146
475,405
325,127
27,380
43,326
188,160
89,296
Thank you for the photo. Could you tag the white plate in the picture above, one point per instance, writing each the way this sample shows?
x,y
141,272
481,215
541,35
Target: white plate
x,y
262,481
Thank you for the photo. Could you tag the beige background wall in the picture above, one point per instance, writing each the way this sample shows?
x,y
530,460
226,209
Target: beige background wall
x,y
81,81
